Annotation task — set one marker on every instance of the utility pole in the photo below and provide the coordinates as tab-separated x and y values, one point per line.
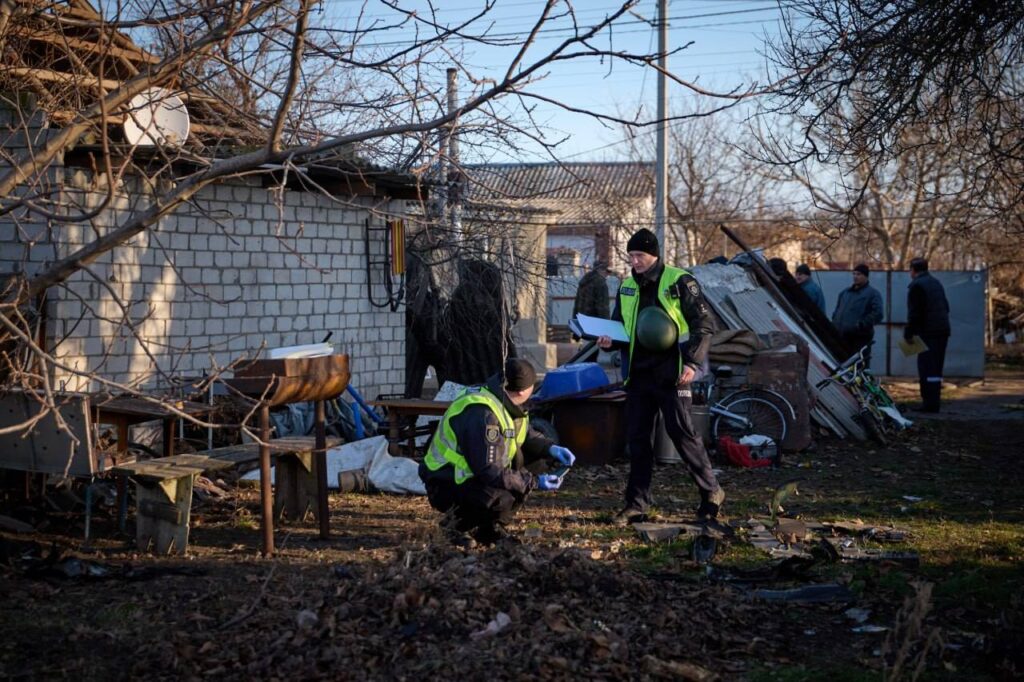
454	175
661	172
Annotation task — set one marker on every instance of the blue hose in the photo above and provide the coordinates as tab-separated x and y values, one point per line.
362	403
357	422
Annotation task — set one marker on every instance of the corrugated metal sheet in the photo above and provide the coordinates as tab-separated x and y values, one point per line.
761	314
743	305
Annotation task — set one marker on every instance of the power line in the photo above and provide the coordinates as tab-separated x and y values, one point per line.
565	31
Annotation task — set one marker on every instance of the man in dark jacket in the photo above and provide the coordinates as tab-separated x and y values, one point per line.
592	293
928	317
475	469
857	312
658	378
810	287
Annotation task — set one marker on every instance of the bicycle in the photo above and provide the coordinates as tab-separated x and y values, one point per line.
747	411
878	414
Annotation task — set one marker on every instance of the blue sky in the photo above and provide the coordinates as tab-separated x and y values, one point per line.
726	36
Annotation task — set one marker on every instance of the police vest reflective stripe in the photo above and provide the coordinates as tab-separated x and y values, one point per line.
444	448
629	304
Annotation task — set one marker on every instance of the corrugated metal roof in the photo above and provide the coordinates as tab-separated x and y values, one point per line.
575	193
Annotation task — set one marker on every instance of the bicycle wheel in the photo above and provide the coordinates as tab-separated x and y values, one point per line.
872	426
756	416
774	397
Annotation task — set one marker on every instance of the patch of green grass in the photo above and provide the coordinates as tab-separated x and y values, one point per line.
654	557
978	586
243	519
740	555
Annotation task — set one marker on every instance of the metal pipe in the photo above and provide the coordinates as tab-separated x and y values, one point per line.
320	457
266	492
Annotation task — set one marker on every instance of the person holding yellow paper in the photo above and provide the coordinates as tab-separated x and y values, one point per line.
928	319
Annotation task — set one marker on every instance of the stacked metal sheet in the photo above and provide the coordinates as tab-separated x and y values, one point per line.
742	304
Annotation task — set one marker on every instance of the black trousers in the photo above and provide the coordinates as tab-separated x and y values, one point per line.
674	403
477	507
929	371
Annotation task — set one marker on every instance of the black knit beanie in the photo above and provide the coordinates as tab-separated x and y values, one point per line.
519	374
644	240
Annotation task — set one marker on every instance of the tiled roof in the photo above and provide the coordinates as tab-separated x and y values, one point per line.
562	181
578	193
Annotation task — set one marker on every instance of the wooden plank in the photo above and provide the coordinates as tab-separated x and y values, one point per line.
82	45
66	78
250	452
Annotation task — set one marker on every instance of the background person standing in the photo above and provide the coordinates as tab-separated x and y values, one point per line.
658	368
928	317
592	293
857	312
810	287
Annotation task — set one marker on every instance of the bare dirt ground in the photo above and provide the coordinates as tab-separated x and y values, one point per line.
387	598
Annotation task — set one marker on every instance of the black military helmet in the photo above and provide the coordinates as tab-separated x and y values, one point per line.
655	330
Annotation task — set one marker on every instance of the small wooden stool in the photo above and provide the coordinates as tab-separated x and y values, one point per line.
164	494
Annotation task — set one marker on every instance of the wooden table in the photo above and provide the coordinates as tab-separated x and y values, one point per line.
123	412
406	407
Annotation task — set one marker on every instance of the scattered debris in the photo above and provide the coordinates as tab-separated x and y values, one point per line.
704	548
500	622
808	594
306	619
869	629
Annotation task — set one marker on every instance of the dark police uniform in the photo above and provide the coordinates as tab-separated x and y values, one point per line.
651	377
476	462
928	317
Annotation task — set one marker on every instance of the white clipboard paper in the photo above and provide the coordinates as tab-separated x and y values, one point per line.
593	327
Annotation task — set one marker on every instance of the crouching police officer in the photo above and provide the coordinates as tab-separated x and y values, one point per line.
476	470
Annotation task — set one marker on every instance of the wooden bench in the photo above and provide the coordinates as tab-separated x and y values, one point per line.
295	480
164	487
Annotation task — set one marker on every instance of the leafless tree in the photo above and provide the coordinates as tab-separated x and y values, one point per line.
874	80
278	88
713	182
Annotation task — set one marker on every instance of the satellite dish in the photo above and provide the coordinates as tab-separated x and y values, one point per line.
156	117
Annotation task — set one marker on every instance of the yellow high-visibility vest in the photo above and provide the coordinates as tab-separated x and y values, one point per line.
444	448
629	304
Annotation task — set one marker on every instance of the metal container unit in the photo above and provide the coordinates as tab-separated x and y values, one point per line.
593	428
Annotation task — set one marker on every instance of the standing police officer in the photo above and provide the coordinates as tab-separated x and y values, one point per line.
475	467
928	317
658	375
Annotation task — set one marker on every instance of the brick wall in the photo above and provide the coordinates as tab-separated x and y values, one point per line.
239	267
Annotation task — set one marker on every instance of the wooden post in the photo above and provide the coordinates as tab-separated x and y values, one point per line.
266	492
320	459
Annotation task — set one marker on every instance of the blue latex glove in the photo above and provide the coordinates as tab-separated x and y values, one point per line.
562	455
548	482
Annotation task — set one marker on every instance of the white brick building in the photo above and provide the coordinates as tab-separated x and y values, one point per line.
239	267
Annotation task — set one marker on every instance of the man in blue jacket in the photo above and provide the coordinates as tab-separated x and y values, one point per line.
857	312
928	317
810	287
